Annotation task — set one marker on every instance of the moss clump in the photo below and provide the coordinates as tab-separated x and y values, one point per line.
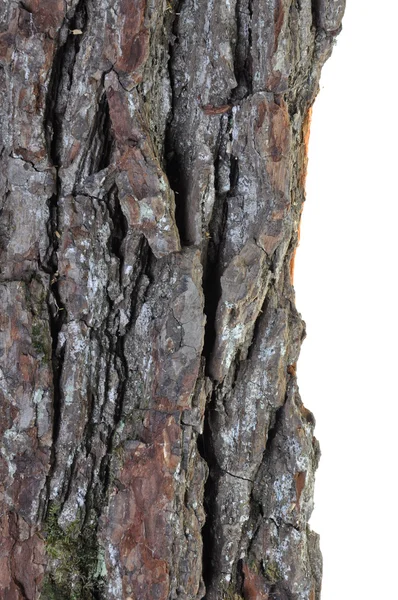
231	594
254	566
40	341
272	572
73	554
51	591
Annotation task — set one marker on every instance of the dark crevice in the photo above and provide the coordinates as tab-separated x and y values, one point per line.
234	173
212	275
56	103
57	317
119	227
239	578
173	162
61	80
175	159
100	144
122	370
89	427
315	12
224	162
57	365
206	450
274	428
248	63
212	269
104	130
68	480
25	7
243	52
175	173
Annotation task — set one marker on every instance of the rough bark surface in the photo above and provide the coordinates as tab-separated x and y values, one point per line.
153	158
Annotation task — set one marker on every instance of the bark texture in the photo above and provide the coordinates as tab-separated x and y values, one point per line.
153	158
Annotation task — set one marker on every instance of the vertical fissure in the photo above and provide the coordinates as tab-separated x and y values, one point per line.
205	448
117	341
100	144
173	163
212	269
243	51
315	12
212	292
55	107
61	79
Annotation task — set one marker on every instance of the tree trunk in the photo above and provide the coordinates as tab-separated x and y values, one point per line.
153	162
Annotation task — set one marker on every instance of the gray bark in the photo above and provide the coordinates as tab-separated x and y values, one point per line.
153	159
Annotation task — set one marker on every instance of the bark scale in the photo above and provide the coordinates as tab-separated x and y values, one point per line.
153	159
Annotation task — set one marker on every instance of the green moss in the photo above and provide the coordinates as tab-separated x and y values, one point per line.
51	591
119	452
231	594
73	553
272	572
254	566
41	341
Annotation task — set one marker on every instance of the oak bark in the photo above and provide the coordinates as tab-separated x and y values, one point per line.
153	159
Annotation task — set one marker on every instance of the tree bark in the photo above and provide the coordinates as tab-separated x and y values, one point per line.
153	159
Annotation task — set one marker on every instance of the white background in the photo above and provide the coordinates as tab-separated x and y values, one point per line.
346	289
